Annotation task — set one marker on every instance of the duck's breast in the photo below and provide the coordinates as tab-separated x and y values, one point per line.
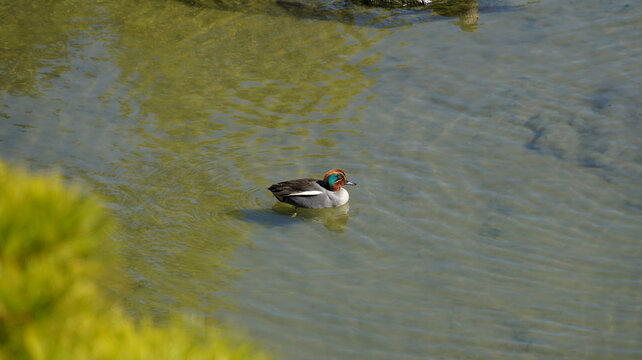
339	197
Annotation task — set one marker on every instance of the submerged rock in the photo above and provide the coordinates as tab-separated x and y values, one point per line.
362	12
394	3
466	10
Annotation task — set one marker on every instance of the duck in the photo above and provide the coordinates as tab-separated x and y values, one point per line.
313	193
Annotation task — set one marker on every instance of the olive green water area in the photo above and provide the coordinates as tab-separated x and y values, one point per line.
497	153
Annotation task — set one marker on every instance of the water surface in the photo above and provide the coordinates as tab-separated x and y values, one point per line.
499	204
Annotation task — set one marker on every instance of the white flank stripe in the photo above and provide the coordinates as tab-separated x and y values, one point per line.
306	193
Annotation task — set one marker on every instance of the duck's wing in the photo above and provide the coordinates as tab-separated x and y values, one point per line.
298	187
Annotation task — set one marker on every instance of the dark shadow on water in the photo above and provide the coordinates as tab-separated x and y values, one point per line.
545	141
385	14
334	219
363	13
374	13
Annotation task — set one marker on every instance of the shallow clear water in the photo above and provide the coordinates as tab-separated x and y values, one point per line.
499	202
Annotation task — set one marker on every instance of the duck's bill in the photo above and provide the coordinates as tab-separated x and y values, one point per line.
350	183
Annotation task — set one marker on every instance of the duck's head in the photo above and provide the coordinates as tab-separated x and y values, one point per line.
335	179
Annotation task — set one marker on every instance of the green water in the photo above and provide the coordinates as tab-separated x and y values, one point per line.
499	202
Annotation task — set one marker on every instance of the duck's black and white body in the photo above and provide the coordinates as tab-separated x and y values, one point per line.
313	193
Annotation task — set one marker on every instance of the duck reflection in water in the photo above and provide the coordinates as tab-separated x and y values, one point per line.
334	219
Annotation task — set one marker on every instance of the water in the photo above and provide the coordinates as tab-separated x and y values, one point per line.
499	200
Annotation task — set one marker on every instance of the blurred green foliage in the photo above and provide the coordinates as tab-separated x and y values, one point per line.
53	256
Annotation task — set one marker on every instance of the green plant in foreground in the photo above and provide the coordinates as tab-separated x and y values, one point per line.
52	256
